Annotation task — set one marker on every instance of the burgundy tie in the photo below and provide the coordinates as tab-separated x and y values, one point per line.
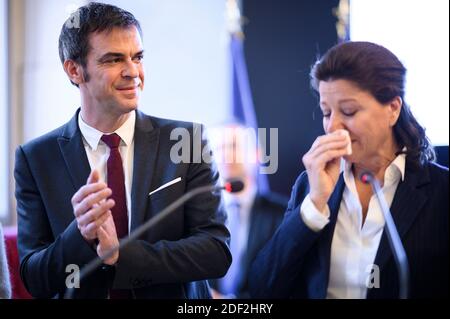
116	182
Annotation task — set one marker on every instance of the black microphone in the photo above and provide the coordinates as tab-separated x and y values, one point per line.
232	186
395	243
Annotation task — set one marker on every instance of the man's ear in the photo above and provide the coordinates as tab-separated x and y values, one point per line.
395	106
74	71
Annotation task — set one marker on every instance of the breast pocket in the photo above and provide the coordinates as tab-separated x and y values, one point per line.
172	225
168	194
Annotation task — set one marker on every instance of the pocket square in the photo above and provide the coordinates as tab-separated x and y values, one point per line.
176	180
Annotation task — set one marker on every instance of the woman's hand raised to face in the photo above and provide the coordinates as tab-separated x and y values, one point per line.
322	163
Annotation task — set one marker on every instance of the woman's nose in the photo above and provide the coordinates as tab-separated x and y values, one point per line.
333	123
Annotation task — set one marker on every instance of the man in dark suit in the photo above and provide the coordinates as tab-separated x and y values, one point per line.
68	215
253	216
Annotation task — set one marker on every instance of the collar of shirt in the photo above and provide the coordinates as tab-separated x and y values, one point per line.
93	136
245	198
394	172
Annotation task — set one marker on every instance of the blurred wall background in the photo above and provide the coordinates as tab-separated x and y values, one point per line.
283	40
187	69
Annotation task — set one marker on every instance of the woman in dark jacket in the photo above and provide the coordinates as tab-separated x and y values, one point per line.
332	243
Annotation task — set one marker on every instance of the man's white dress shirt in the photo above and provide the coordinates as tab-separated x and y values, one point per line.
98	152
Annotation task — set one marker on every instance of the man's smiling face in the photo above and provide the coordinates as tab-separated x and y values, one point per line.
114	69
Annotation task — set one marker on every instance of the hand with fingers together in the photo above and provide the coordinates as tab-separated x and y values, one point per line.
92	210
322	163
107	240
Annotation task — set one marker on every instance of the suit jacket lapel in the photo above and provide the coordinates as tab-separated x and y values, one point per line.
146	141
74	154
407	203
257	225
327	235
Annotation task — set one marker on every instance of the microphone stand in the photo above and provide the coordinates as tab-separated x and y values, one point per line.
91	266
395	242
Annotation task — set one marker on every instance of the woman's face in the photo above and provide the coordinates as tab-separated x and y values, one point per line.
370	124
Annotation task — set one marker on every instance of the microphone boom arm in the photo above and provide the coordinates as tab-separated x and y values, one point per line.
91	266
393	237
